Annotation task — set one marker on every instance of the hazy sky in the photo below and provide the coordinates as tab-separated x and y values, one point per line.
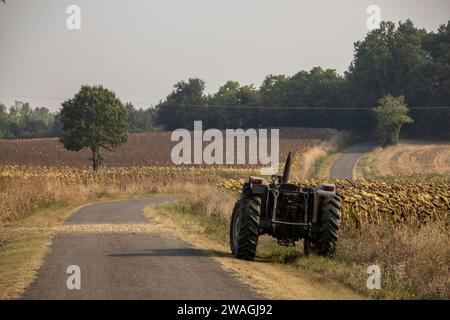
140	48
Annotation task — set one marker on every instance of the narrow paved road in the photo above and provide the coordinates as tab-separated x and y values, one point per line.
130	265
343	167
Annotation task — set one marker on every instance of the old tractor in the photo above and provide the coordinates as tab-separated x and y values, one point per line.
287	212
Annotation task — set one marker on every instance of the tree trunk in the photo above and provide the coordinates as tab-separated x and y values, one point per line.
95	158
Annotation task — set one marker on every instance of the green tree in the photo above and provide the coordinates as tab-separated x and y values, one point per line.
4	122
391	60
248	96
320	88
317	88
26	123
227	95
273	90
182	102
233	94
189	93
438	46
413	65
95	119
391	114
370	71
57	128
139	120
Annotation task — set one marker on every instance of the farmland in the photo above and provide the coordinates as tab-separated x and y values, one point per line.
400	223
369	200
133	149
142	165
409	200
141	150
408	157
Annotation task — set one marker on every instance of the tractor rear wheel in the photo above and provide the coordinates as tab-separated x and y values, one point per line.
325	239
244	228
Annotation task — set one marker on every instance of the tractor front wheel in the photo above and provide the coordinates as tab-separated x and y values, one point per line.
244	228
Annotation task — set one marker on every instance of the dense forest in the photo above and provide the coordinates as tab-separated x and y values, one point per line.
400	60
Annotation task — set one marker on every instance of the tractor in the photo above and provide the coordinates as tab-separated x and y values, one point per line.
287	212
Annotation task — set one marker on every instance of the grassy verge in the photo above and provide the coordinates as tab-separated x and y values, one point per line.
322	167
305	163
32	209
362	169
276	273
413	258
25	242
24	245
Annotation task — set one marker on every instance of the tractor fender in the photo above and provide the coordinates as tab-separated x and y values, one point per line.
323	190
258	185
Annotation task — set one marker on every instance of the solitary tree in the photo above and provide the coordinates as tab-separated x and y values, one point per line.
95	118
391	114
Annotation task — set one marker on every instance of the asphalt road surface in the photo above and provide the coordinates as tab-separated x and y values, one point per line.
130	265
343	167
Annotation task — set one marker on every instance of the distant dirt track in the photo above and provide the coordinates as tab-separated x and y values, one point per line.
146	263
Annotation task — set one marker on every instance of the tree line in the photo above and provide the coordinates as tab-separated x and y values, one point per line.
398	60
21	121
401	61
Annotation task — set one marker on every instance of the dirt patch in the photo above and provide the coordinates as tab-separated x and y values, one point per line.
112	228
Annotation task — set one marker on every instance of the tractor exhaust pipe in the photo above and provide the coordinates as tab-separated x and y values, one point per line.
287	169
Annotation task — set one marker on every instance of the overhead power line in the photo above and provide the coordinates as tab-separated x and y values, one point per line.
59	99
355	108
298	108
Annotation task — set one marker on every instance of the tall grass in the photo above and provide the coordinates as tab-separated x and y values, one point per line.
20	197
414	257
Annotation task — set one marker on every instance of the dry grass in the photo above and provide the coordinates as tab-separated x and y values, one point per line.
408	157
20	197
205	224
21	256
314	162
23	245
322	167
414	257
34	209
